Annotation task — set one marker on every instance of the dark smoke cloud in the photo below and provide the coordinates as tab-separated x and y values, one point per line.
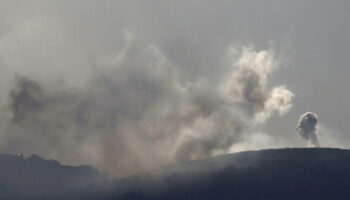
136	112
307	128
25	99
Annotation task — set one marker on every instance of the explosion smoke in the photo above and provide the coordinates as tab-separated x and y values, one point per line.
136	112
307	128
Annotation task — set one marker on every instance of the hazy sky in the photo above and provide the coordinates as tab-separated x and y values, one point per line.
69	41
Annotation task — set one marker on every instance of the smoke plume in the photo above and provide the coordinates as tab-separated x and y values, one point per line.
137	112
307	128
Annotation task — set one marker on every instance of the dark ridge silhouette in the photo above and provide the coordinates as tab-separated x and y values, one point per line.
35	175
310	173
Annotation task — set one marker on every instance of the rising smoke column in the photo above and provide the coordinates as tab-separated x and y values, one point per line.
137	112
246	100
246	85
307	128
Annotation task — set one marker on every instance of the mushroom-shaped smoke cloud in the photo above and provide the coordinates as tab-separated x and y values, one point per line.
307	128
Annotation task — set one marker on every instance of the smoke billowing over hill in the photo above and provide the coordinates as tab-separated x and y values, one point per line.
137	112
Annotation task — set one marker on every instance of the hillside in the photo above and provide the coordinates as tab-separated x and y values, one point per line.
311	173
35	175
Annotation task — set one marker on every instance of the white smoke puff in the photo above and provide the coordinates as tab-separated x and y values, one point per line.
246	85
279	101
307	127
